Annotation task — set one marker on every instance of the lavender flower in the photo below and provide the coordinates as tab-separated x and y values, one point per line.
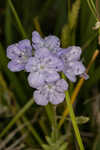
51	42
72	64
51	92
43	68
19	54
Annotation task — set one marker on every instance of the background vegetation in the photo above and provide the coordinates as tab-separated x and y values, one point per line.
25	125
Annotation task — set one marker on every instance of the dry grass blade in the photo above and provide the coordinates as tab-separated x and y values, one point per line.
13	133
10	136
17	142
37	25
20	147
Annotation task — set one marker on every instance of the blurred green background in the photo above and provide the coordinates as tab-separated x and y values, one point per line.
72	21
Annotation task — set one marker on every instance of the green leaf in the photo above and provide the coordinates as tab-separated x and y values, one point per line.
64	146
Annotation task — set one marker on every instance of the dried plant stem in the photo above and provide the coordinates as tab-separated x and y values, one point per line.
37	25
17	142
78	87
21	112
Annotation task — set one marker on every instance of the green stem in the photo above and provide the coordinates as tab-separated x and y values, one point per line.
21	112
49	112
17	19
74	123
55	124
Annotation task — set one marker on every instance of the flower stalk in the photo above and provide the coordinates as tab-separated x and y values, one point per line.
74	123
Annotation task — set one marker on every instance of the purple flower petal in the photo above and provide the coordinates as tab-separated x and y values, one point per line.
15	67
42	52
70	75
40	98
72	53
61	85
35	80
31	65
46	69
56	63
77	67
37	41
56	98
50	92
19	54
25	47
72	66
52	43
13	51
51	76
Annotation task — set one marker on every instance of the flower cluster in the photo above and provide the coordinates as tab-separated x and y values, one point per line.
44	65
